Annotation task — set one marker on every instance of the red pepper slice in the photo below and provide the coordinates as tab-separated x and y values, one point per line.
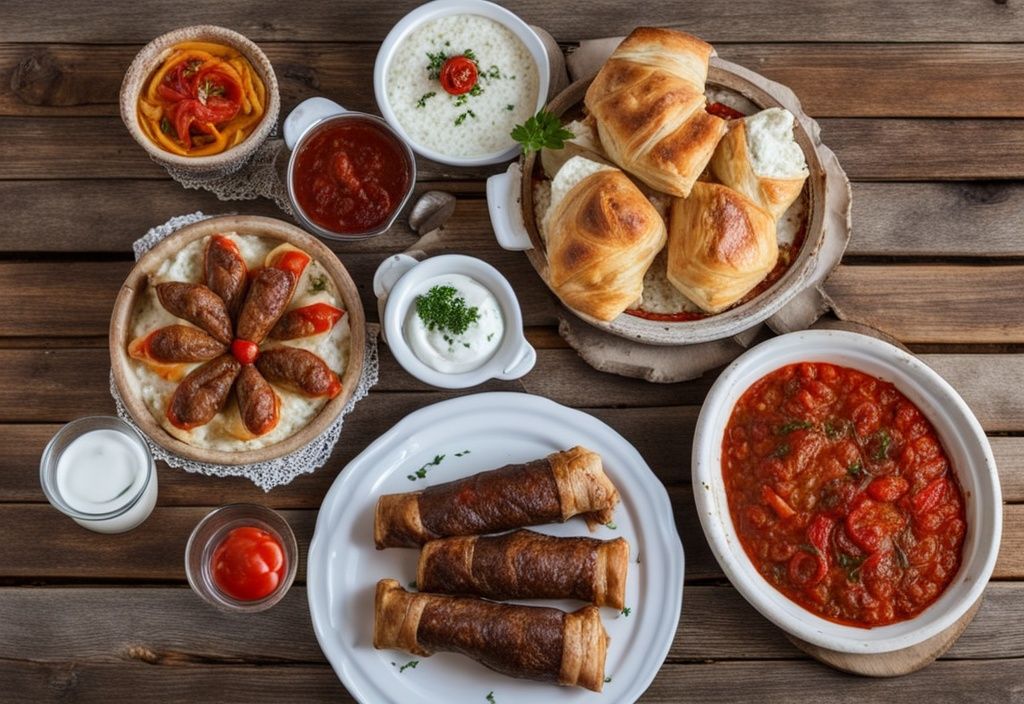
888	488
929	497
873	523
723	111
293	261
458	75
778	504
819	532
806	570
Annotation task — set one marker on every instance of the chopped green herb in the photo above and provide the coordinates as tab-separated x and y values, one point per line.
638	558
781	451
466	345
165	125
411	663
192	68
626	611
475	90
883	439
493	72
490	697
462	454
469	54
542	131
422	102
208	89
462	118
510	107
421	473
441	308
611	524
856	469
436	63
318	283
490	336
852	566
607	679
807	547
833	430
794	425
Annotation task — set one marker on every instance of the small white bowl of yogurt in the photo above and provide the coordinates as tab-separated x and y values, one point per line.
452	321
99	471
453	78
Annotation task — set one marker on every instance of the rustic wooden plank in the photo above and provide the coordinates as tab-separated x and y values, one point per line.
945	682
832	80
171	626
35	533
933	303
869	149
890	219
67	383
746	20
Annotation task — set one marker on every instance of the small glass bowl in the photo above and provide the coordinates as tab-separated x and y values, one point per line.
209	533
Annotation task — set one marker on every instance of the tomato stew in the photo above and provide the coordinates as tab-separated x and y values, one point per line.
842	495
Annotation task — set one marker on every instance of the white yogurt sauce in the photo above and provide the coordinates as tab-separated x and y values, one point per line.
101	472
468	125
446	352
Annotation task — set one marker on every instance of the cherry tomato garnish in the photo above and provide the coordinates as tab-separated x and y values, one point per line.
248	564
244	351
458	75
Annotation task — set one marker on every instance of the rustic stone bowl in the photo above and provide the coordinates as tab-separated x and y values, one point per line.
136	283
734	320
147	60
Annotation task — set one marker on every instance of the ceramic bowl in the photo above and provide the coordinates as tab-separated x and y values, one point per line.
138	280
444	8
147	60
960	434
510	200
396	285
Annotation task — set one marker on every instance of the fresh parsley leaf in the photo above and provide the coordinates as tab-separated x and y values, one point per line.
422	102
882	442
855	469
411	663
781	451
318	283
626	611
851	564
490	697
611	524
794	425
542	131
165	125
437	60
441	308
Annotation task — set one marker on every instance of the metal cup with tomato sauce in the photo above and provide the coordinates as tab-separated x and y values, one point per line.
350	174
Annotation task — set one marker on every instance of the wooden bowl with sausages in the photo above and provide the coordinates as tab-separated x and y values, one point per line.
237	340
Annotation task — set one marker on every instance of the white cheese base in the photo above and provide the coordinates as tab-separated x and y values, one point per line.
774	152
222	433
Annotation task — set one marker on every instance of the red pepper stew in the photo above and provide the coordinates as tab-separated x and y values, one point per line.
350	176
842	495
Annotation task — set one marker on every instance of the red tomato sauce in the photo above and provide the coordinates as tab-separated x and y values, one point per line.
350	176
248	564
842	494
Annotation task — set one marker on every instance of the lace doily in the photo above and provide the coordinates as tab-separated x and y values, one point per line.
271	473
257	177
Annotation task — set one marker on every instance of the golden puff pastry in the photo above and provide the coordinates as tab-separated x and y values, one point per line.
759	158
602	235
721	245
649	105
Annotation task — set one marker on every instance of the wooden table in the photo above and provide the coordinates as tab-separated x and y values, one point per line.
920	99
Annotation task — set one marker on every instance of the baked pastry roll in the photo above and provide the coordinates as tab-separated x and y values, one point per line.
721	245
550	490
602	234
532	642
648	101
760	158
524	564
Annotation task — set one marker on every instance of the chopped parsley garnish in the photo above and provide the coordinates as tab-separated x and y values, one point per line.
462	118
851	564
490	336
462	454
441	308
611	524
208	89
490	697
794	425
856	469
411	663
493	72
165	125
542	131
422	102
833	430
781	451
510	107
607	679
318	283
421	473
626	611
807	547
469	54
192	68
436	63
882	440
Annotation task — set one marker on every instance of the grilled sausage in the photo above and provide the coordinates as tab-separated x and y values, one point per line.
181	343
226	273
269	293
300	371
198	305
257	402
201	394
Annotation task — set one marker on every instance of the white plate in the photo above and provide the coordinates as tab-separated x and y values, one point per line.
496	428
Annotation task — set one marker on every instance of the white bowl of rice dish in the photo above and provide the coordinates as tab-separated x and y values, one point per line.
453	78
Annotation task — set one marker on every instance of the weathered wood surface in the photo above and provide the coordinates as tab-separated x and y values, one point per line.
921	80
739	20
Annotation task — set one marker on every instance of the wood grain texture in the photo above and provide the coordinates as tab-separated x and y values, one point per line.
35	534
739	20
933	303
963	219
832	80
869	149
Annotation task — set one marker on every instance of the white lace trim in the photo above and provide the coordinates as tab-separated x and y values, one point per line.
271	473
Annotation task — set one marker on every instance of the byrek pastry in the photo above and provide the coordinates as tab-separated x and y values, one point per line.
532	642
649	104
760	158
602	235
721	245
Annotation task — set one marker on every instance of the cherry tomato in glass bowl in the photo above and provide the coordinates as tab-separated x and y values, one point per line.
248	564
458	75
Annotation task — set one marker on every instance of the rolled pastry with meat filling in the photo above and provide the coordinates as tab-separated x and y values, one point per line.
551	490
531	642
527	565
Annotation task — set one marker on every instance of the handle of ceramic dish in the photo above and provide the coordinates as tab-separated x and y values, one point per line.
503	207
522	364
305	114
390	271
